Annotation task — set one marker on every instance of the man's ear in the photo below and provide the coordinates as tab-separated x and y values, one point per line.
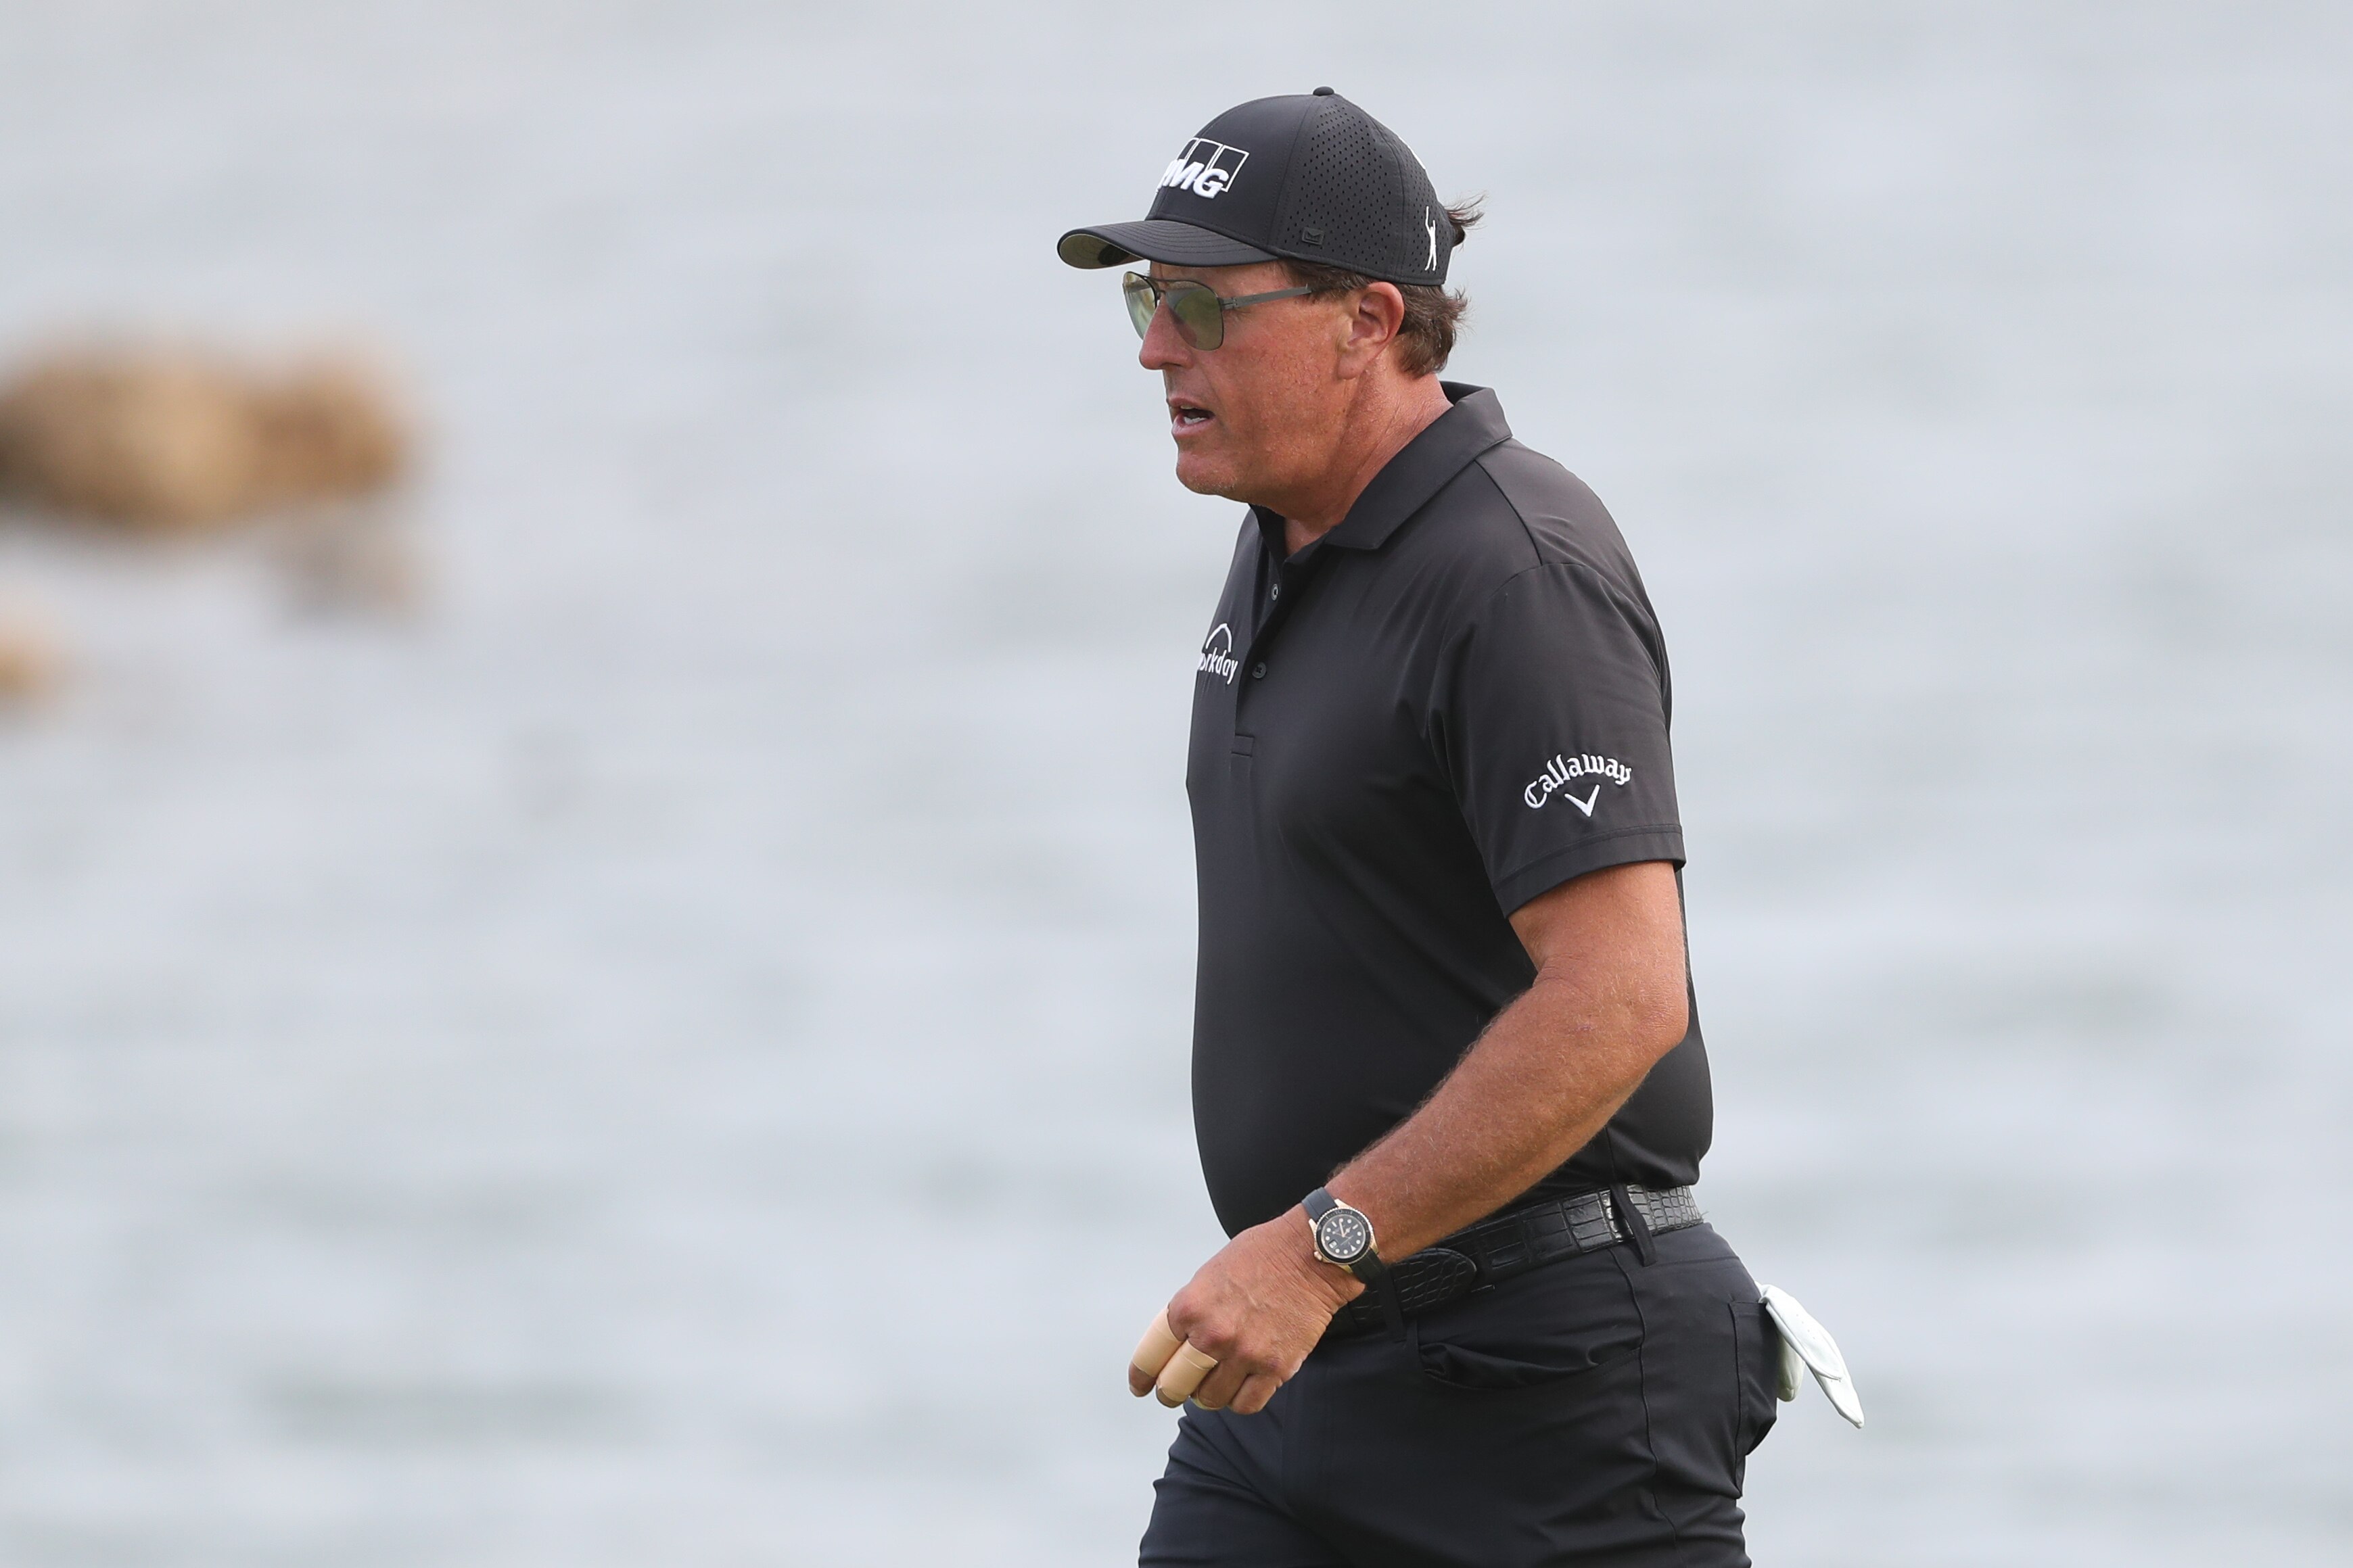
1376	315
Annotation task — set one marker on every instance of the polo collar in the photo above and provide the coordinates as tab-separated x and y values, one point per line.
1420	470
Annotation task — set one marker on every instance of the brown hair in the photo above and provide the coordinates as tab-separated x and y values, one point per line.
1433	315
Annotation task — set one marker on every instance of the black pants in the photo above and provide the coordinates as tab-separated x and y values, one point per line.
1594	1411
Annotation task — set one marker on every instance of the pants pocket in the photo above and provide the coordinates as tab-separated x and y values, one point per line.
1757	1353
1551	1323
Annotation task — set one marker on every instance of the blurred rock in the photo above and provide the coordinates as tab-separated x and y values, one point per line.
31	661
166	438
355	559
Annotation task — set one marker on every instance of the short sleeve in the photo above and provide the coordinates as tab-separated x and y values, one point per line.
1549	713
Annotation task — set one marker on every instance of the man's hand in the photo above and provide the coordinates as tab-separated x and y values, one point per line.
1257	1308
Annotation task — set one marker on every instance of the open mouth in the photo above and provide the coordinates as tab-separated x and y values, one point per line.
1188	415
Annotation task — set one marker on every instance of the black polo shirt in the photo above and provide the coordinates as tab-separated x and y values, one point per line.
1455	700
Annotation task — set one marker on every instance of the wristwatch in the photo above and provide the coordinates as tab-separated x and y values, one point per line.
1344	1236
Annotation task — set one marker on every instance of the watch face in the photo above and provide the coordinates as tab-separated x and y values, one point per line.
1343	1236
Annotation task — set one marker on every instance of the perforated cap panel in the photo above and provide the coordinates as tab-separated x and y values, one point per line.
1358	198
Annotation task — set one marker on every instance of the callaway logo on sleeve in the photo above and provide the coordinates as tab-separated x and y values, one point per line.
1561	770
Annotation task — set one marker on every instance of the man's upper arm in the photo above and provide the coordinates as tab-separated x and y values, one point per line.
1615	935
1550	713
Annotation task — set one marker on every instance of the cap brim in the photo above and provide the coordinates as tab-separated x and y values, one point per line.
1155	240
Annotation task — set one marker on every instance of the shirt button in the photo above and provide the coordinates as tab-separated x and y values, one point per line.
1257	670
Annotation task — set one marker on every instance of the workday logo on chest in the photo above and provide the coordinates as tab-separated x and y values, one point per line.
1205	168
1217	654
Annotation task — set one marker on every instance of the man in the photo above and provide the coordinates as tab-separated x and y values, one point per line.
1448	1084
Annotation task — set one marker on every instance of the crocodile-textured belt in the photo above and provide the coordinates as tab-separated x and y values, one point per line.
1513	1243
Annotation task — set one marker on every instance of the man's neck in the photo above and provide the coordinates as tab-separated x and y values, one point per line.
1382	434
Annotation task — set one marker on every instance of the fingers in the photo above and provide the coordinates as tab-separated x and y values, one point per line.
1182	1375
1256	1391
1152	1353
1170	1368
1231	1388
1218	1389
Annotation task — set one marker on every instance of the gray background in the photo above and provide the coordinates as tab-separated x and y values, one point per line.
677	1057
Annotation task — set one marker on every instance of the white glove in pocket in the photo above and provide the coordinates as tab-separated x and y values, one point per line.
1807	1346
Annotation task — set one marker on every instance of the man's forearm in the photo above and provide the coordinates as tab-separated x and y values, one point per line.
1542	1080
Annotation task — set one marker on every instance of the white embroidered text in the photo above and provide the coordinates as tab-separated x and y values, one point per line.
1559	772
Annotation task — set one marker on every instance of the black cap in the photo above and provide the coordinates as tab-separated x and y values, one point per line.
1309	176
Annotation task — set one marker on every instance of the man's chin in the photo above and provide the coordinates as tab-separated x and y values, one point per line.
1204	477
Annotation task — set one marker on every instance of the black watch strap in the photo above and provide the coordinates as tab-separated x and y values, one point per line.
1369	1269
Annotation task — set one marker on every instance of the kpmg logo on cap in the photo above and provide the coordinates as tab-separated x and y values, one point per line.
1204	167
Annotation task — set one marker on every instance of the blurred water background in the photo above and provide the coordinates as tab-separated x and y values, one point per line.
675	1054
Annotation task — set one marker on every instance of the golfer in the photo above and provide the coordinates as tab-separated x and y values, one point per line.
1447	1079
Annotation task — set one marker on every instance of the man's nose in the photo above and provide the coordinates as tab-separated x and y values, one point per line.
1164	347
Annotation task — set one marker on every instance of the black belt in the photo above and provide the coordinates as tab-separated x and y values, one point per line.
1513	1243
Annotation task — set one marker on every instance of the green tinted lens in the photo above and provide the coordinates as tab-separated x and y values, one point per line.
1140	302
1200	314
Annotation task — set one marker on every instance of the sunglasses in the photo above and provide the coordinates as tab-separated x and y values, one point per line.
1198	309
